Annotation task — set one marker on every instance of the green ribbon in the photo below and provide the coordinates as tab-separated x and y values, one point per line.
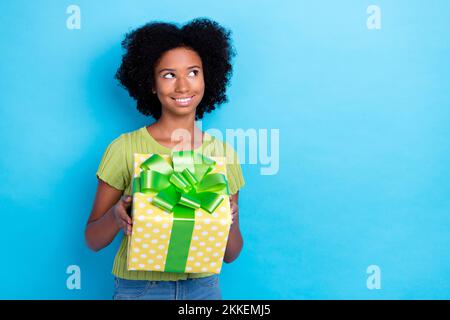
183	183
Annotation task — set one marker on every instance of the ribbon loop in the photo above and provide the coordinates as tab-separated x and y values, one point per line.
183	180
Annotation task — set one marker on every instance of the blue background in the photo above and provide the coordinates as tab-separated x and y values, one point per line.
364	120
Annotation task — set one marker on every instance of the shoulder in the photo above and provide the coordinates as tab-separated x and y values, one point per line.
124	139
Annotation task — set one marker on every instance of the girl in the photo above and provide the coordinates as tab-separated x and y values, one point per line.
175	75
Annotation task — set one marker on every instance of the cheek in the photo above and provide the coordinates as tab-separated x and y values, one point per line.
164	87
200	85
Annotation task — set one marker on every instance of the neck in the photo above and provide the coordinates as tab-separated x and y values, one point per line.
179	128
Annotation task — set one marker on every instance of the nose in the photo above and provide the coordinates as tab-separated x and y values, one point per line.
182	85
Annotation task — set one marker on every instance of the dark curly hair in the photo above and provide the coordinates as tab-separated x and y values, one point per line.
145	45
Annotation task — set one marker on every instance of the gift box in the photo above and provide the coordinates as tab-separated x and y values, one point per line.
181	213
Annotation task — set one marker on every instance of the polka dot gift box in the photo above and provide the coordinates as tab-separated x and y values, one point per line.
181	213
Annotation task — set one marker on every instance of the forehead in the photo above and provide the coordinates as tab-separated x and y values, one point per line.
179	58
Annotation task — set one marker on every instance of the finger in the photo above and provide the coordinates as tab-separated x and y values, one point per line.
124	216
126	201
126	228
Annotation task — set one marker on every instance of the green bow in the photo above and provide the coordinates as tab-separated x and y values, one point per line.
184	180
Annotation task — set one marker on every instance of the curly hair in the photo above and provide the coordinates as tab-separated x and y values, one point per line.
145	45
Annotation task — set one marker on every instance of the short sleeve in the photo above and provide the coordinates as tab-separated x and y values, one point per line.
113	167
234	171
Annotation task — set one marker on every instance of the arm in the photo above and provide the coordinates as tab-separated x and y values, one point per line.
107	217
235	241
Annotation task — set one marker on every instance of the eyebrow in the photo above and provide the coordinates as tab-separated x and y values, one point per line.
167	69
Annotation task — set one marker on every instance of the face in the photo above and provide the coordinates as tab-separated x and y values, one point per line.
179	81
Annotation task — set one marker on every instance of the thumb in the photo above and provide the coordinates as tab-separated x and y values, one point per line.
126	200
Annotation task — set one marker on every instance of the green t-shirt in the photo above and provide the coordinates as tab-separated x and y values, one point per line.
116	168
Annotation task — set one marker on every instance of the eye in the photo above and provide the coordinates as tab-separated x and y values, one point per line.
169	75
195	72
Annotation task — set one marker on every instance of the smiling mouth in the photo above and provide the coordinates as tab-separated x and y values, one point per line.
183	101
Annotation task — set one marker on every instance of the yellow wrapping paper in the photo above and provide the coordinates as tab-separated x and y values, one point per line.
151	232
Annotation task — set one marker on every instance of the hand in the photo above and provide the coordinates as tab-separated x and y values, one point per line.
121	216
234	211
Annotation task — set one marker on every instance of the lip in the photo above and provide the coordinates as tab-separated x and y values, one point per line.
183	103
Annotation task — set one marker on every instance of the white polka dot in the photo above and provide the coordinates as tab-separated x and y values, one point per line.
156	241
215	214
150	199
143	159
138	239
161	246
206	259
132	269
207	221
150	211
188	268
148	224
146	235
197	264
198	213
202	243
222	209
150	261
218	270
141	218
208	249
143	256
157	266
158	218
145	246
193	248
195	238
223	222
139	229
223	249
218	244
211	239
198	227
215	254
214	228
152	251
163	236
141	205
165	225
136	249
191	258
212	264
220	233
159	256
204	269
204	233
200	254
155	230
134	259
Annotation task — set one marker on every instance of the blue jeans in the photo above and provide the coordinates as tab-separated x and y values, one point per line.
206	288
